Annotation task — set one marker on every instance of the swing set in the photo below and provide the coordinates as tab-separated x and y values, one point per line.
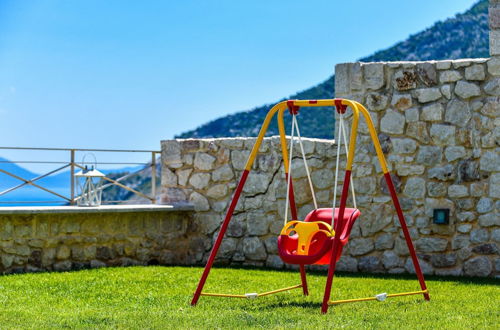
320	238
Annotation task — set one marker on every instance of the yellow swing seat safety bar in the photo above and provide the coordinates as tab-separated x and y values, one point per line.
251	295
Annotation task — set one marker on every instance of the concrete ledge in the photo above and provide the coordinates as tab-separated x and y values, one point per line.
98	209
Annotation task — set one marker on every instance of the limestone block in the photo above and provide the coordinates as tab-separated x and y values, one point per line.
168	178
468	170
492	107
431	244
171	153
426	268
257	183
384	241
461	63
427	73
63	252
411	115
475	72
374	75
7	260
62	266
199	202
403	146
495	235
183	176
495	185
492	87
258	223
391	260
429	155
227	248
465	228
415	188
425	95
405	80
199	180
232	143
274	261
490	161
370	264
444	260
457	191
401	101
207	222
460	242
478	189
457	113
478	266
432	112
418	130
449	76
360	246
322	178
486	249
254	249
204	161
494	66
494	42
217	191
342	79
452	153
484	205
443	65
443	135
489	219
347	264
239	159
406	169
376	219
467	90
392	122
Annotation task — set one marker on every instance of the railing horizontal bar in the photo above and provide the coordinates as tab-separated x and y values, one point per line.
77	149
54	162
25	202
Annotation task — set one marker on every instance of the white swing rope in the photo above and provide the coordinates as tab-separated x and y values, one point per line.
295	125
342	135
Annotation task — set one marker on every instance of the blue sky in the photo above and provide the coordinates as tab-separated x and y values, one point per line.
127	74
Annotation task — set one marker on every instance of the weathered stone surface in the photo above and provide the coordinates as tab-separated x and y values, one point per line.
405	169
478	266
217	191
415	187
446	91
457	191
199	201
274	261
199	180
484	205
183	176
257	183
376	219
411	115
370	264
203	161
360	246
322	178
460	242
396	180
432	112
443	135
418	130
425	95
490	219
401	101
403	146
427	74
493	87
223	173
475	72
444	260
391	260
347	264
465	228
443	65
454	152
457	113
494	66
495	185
254	249
480	235
424	266
491	108
442	173
429	155
392	122
374	75
490	161
376	101
468	170
486	249
384	242
405	80
258	223
449	76
431	244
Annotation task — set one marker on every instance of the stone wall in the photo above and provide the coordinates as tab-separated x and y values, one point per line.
439	125
40	242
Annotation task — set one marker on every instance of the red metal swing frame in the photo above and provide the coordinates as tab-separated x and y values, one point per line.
341	227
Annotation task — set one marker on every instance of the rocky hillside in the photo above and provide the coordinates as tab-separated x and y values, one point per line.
463	36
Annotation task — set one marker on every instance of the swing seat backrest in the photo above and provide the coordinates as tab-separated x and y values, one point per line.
321	245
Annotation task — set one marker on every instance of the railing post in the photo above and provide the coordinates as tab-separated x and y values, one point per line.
72	176
153	177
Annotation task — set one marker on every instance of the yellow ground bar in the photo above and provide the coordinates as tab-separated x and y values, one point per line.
335	302
250	295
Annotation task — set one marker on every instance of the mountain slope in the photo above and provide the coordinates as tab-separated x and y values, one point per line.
463	36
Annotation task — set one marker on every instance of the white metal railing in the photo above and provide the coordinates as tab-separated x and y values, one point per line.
72	164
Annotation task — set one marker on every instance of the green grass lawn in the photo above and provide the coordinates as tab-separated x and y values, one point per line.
158	297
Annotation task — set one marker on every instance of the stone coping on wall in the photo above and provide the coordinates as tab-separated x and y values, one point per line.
97	209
